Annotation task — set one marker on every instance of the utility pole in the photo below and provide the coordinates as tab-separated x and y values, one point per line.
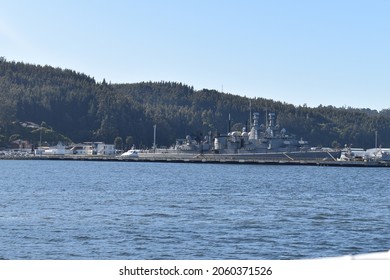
40	136
376	139
250	115
154	137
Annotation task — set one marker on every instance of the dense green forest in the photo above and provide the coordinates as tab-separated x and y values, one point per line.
73	107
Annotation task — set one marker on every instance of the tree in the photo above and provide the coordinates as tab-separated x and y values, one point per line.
14	137
2	140
129	142
336	144
118	143
76	106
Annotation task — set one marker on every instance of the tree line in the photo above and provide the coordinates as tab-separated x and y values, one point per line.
74	108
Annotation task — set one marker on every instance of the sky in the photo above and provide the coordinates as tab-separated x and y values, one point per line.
317	52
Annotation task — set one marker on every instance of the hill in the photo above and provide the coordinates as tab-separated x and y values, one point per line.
77	108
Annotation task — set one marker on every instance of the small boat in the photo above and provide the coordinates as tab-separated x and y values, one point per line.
130	153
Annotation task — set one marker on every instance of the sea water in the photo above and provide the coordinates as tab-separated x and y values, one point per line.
135	210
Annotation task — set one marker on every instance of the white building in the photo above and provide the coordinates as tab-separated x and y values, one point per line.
105	149
59	149
82	149
93	148
86	148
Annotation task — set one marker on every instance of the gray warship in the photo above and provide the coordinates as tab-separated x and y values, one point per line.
262	143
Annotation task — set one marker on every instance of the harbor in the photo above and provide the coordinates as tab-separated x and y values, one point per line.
266	144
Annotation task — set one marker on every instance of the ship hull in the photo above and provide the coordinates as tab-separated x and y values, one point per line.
270	156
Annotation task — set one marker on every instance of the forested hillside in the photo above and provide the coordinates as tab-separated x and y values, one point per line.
70	106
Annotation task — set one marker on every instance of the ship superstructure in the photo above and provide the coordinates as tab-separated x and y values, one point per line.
261	143
260	139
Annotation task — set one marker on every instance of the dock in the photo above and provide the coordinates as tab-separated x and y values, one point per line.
207	159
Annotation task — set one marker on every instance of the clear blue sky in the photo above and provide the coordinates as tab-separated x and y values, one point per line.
315	52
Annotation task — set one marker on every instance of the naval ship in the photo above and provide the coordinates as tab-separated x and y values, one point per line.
262	143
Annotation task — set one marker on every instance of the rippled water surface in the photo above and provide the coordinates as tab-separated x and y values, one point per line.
123	210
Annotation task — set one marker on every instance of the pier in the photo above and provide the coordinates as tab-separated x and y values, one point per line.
207	159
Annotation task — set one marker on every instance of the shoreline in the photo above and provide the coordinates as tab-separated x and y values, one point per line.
200	159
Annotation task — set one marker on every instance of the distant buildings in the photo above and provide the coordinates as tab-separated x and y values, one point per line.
21	145
85	148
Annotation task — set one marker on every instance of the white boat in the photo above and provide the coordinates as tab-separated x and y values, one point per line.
379	154
130	153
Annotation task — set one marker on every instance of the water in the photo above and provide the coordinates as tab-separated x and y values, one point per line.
124	210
